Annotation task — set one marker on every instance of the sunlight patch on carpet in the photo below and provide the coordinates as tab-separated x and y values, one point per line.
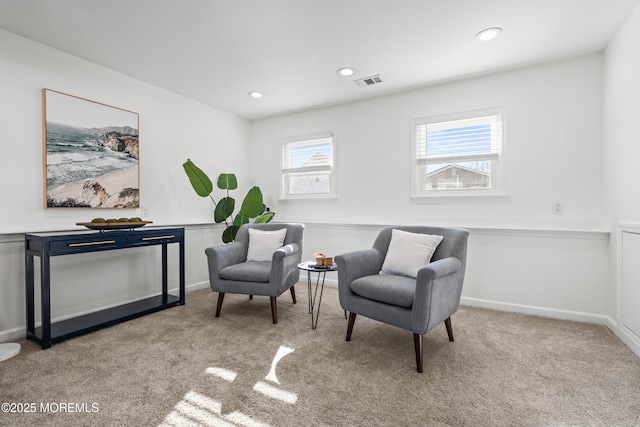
282	352
196	409
225	374
275	392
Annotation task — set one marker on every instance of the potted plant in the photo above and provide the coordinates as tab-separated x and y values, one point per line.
252	206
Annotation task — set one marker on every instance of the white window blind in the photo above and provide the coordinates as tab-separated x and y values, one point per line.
307	167
476	137
307	155
458	152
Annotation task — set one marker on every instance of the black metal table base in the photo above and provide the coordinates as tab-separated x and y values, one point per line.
312	299
311	267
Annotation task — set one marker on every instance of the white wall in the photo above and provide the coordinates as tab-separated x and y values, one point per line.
553	151
521	256
553	273
621	154
172	129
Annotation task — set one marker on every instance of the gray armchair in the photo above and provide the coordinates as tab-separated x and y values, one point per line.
415	304
229	270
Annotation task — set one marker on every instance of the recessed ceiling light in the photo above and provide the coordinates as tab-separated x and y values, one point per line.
346	71
255	94
488	34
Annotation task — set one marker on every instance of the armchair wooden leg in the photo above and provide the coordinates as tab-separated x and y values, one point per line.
417	342
220	298
447	323
293	294
274	310
352	320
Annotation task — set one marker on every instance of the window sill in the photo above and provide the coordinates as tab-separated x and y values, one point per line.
462	195
308	197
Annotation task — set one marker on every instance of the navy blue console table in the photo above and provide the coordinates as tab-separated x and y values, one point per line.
46	245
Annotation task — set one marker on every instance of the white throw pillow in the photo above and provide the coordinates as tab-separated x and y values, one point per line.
262	244
408	252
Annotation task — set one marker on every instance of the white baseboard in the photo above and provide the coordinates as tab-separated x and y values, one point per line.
332	283
536	311
194	287
630	339
13	334
513	308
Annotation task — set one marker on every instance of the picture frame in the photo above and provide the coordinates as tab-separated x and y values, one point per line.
91	153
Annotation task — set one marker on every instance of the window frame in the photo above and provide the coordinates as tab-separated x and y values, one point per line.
285	193
498	168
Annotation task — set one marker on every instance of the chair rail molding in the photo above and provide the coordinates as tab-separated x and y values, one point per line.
588	233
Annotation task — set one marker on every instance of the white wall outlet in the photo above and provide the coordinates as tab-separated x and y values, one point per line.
144	211
558	208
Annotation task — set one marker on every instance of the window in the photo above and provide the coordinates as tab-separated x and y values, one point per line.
308	167
458	154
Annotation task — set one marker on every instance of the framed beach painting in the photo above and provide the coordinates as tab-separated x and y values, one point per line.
91	153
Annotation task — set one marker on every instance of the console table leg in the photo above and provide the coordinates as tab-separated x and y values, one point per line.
165	286
30	278
181	272
45	298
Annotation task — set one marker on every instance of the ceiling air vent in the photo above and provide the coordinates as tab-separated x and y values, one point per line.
368	81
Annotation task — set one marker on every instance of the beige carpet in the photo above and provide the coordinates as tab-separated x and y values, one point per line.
182	366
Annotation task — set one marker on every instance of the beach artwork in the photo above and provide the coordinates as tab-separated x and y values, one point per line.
91	154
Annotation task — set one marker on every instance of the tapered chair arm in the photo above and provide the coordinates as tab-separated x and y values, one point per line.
438	292
353	265
284	266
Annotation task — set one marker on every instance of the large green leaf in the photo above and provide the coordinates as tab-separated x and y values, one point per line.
229	234
240	219
262	219
227	181
199	180
252	204
224	209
